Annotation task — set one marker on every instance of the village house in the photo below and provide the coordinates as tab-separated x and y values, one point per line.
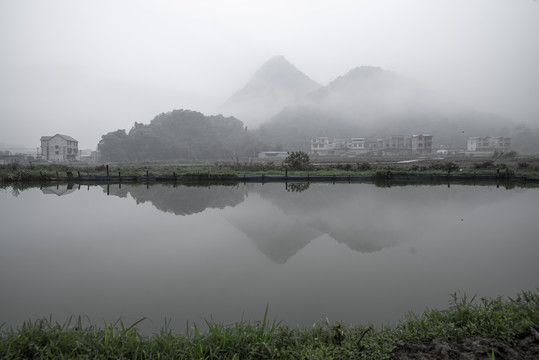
321	145
489	144
393	145
88	156
59	148
421	144
356	144
7	159
273	154
361	146
324	146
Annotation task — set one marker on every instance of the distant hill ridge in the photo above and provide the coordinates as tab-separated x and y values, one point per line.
374	103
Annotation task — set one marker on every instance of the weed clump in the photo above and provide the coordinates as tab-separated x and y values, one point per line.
488	164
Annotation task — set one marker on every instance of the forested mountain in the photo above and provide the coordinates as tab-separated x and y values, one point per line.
179	134
374	103
275	85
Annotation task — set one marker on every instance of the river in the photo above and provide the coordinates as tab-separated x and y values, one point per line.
353	253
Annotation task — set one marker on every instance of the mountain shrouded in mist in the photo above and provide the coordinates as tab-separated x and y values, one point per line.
275	85
374	103
366	102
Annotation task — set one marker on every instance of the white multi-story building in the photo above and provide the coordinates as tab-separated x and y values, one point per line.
60	148
392	145
394	142
489	143
324	146
421	144
319	144
356	144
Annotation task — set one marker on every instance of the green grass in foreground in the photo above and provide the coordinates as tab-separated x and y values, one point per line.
504	320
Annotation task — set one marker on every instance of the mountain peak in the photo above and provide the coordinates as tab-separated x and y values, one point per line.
277	59
275	63
276	84
279	72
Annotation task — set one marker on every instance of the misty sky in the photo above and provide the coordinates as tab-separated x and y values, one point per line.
85	68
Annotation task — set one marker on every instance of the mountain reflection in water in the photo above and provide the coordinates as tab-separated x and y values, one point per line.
281	222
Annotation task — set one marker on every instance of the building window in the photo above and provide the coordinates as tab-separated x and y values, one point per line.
57	152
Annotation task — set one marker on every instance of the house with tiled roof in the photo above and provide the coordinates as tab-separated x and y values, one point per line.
59	148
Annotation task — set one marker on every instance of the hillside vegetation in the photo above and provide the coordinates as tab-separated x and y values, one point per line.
179	134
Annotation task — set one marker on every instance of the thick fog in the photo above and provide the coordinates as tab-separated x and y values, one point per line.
85	68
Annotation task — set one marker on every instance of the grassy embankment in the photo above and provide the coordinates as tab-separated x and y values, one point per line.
523	167
504	321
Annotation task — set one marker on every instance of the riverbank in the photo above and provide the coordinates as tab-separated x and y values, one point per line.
469	328
387	172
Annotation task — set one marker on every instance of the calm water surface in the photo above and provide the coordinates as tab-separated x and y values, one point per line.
345	252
